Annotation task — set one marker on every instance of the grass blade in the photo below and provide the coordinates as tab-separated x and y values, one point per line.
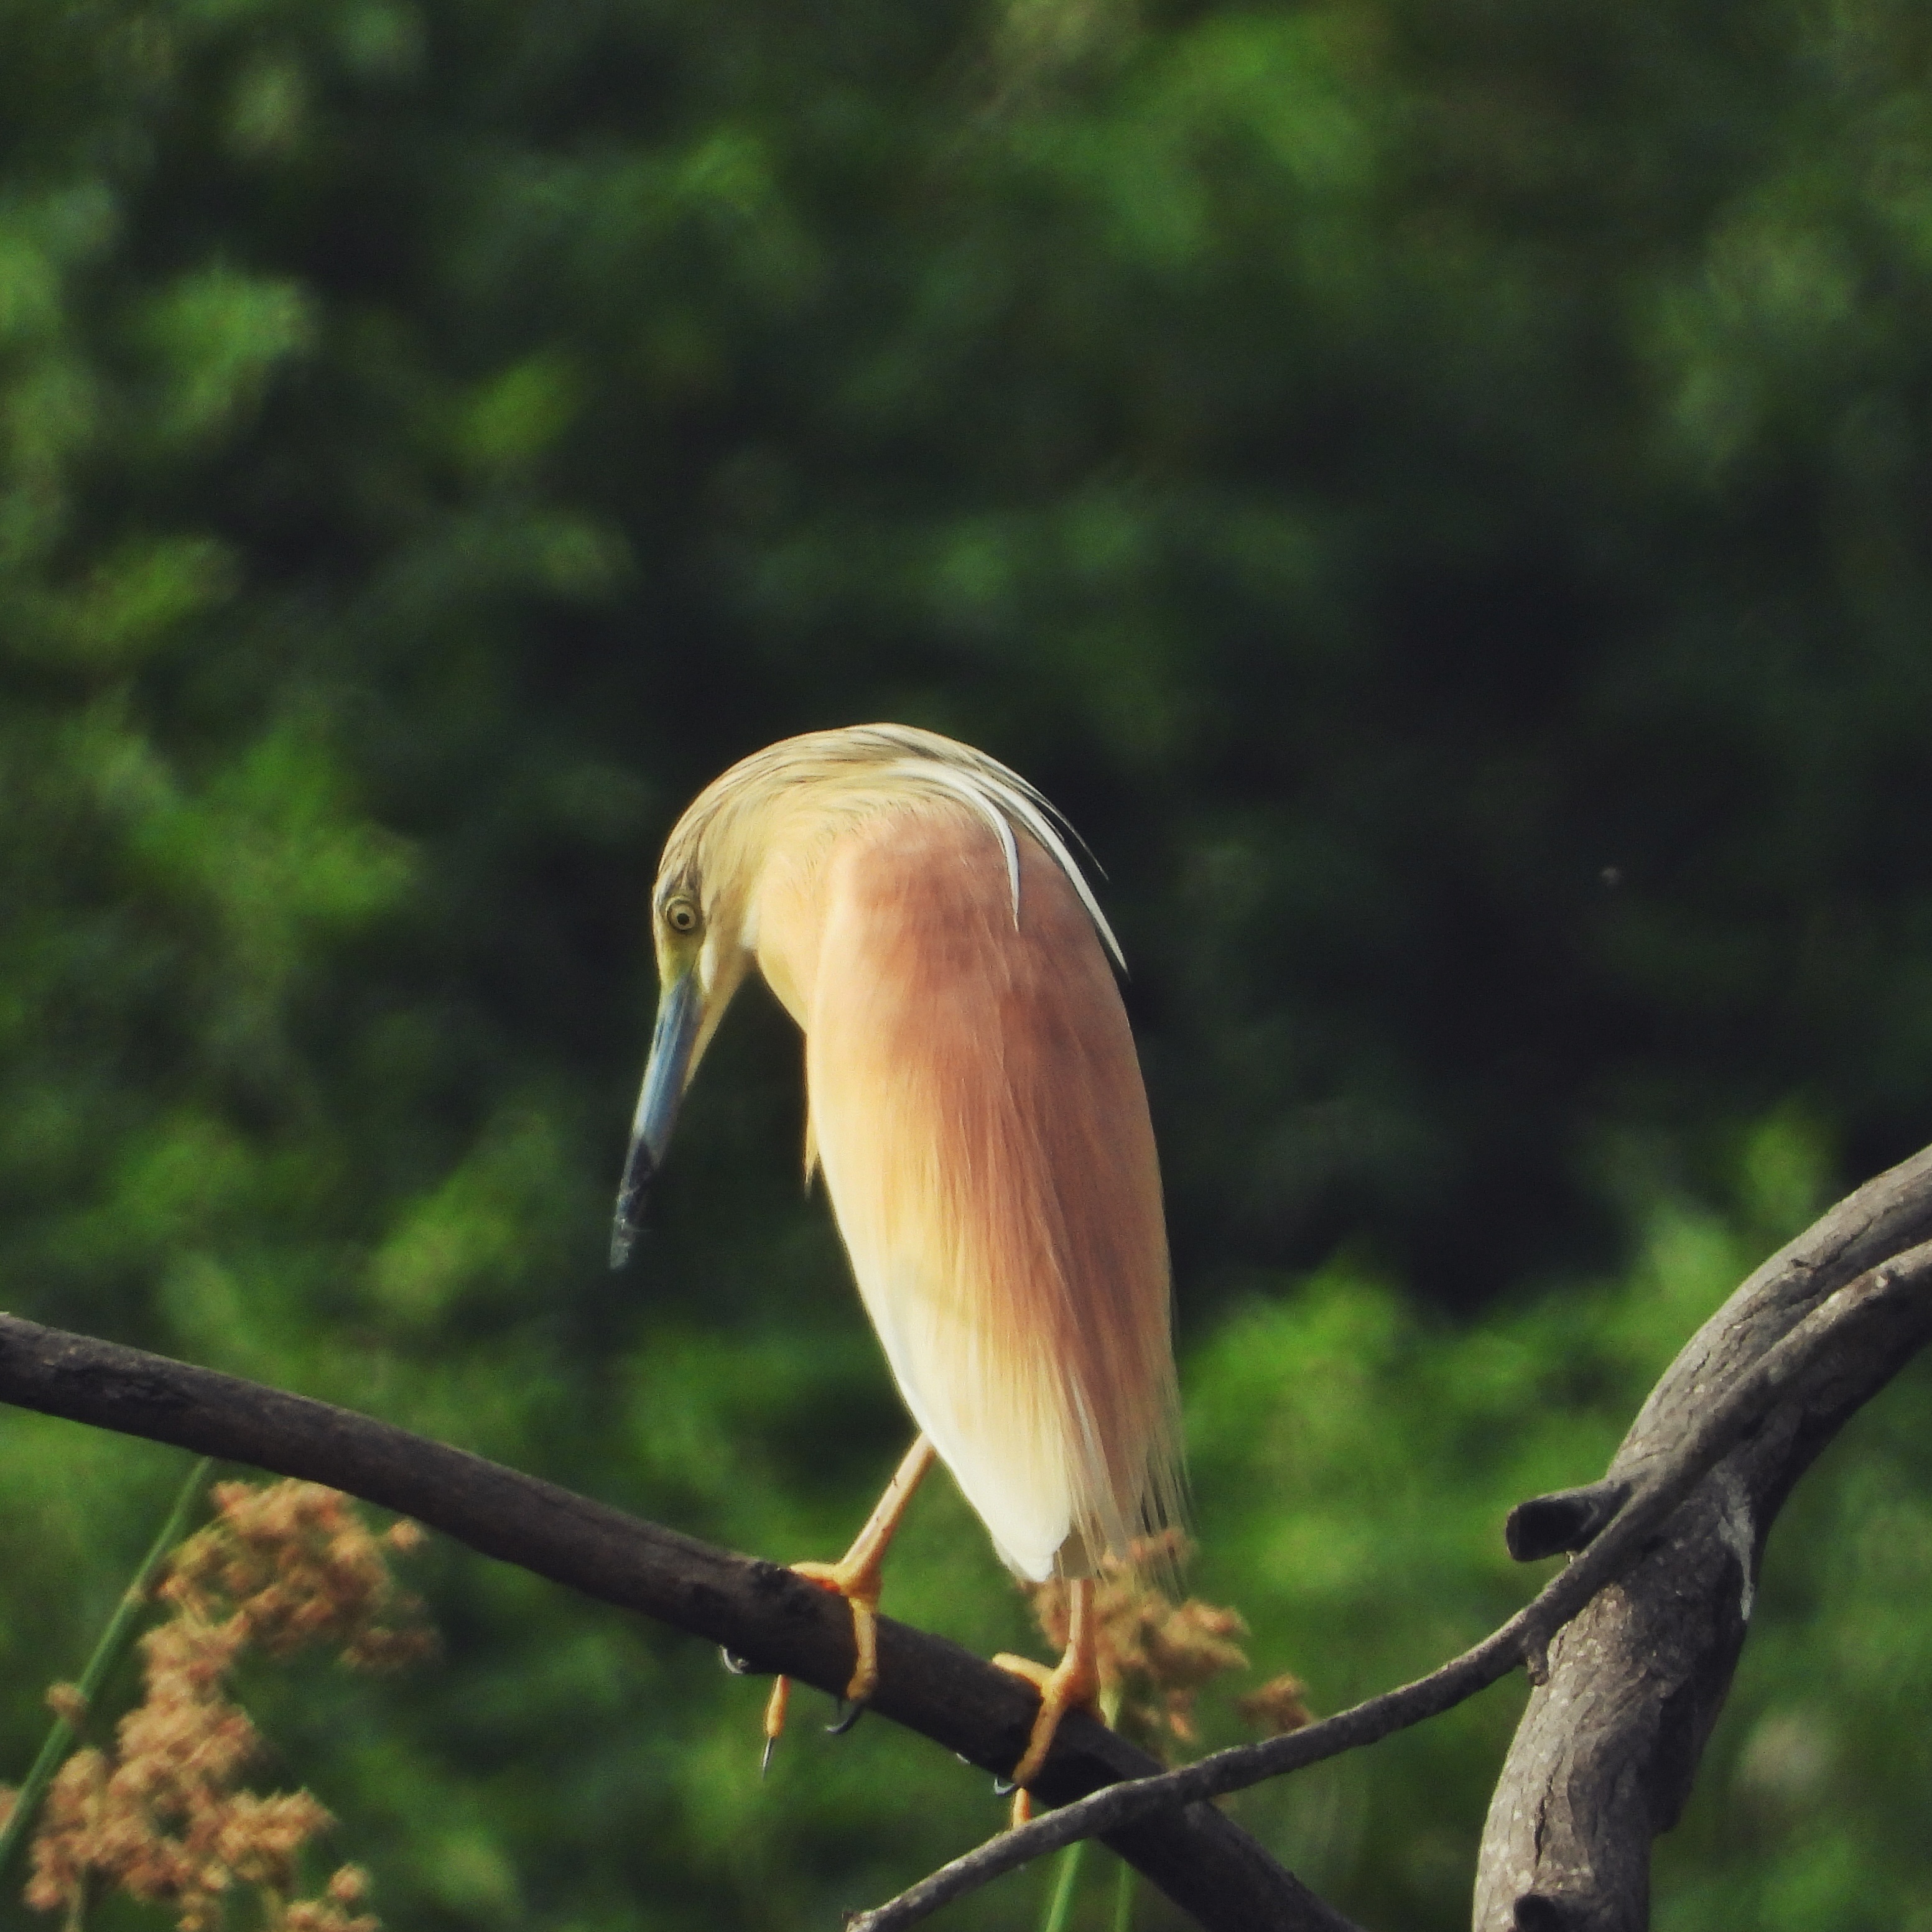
115	1642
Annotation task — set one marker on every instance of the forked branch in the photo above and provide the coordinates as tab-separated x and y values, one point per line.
1629	1679
1608	1749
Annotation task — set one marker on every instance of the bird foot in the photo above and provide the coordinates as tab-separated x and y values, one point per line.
859	1585
1071	1684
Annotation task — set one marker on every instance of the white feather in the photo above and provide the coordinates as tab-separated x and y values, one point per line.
959	783
1004	798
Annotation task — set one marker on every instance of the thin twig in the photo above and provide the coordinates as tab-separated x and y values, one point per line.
1523	1639
114	1639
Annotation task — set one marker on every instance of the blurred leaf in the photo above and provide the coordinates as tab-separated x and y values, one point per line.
218	336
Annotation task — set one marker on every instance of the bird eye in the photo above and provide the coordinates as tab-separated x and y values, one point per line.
681	915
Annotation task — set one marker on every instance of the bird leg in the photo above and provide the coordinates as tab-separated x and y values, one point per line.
856	1576
1071	1684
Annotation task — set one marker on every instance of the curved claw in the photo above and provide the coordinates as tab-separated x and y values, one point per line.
739	1667
848	1717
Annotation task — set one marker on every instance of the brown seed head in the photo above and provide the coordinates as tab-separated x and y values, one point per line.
1154	1654
1277	1706
166	1817
296	1564
65	1701
350	1885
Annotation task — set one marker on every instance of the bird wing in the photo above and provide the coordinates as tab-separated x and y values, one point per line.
979	1117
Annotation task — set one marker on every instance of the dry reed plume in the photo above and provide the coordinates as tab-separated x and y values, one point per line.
1156	1655
164	1817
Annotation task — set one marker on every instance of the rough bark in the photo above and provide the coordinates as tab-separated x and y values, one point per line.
1607	1751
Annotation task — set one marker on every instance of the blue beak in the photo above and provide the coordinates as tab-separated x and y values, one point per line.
680	1009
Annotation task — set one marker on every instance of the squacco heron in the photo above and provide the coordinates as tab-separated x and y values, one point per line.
974	1103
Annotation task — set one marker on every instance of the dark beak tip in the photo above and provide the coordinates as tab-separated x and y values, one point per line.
625	1227
633	1193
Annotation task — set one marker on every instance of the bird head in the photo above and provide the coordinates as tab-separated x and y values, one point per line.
697	922
755	836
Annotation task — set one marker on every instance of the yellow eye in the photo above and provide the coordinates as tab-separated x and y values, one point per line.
681	915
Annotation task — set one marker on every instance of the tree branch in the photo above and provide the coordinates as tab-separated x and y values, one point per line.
1604	1757
760	1611
1607	1749
1854	1321
1566	1520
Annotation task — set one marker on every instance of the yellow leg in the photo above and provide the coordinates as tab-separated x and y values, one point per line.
856	1576
1073	1684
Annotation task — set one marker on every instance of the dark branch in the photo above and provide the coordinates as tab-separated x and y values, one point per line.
1850	1322
758	1611
1606	1750
1605	1755
1565	1519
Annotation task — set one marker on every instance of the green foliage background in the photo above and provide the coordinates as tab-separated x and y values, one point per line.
1437	489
